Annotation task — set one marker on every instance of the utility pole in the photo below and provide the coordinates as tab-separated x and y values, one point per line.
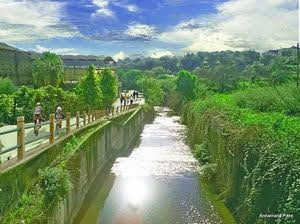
298	64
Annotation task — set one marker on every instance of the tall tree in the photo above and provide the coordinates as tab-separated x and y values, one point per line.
187	85
90	90
109	87
47	70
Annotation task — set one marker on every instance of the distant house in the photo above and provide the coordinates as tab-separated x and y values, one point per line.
15	64
82	61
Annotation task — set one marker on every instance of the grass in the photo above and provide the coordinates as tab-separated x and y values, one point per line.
223	212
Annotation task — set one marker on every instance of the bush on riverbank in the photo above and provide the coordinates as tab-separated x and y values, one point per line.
254	149
52	184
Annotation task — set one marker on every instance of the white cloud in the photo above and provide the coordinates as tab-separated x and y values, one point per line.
157	53
240	25
119	56
102	8
130	7
30	20
141	31
60	51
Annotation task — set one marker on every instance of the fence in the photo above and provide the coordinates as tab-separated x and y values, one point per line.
80	120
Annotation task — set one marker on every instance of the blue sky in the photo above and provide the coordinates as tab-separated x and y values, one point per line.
154	28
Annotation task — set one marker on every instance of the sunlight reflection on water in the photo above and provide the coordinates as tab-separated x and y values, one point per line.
157	183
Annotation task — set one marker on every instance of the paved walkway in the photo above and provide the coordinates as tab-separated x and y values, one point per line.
10	140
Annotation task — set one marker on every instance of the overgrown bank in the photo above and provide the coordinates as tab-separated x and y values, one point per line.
249	150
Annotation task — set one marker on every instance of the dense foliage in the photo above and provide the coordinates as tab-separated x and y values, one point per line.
53	184
96	90
6	86
47	70
152	90
109	87
89	89
220	71
251	155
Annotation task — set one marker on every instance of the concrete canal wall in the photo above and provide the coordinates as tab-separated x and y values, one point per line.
105	141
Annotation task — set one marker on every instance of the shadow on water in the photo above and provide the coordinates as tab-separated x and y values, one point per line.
155	183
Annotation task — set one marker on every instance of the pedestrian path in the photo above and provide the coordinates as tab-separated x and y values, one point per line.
9	140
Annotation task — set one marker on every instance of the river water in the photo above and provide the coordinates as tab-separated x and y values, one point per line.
157	183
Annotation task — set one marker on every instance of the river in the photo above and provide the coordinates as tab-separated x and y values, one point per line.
157	183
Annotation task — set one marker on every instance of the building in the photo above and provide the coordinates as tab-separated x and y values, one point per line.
15	64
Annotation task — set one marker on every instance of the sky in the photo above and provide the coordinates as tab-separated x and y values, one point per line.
154	28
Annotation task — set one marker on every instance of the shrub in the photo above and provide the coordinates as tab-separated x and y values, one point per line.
257	153
208	171
55	183
6	86
285	98
6	109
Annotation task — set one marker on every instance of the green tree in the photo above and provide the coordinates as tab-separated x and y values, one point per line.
25	99
47	70
89	89
6	109
6	86
130	78
109	87
187	85
158	70
152	90
279	71
257	71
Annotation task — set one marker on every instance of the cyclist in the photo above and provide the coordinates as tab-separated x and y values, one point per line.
37	118
58	117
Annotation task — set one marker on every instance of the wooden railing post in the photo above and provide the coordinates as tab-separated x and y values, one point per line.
84	118
21	137
52	134
68	125
77	119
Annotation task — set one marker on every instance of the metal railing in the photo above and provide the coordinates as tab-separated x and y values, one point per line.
81	120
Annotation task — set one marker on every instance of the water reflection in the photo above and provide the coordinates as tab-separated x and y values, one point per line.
157	183
135	192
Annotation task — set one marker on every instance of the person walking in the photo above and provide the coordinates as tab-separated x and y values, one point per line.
131	99
121	99
134	94
125	99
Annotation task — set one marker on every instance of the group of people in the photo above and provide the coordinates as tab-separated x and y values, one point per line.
125	98
37	118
